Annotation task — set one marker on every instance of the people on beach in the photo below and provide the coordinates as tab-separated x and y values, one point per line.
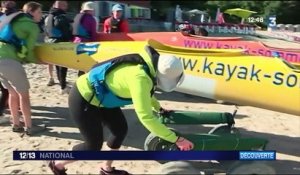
58	29
188	29
18	36
85	25
97	98
116	23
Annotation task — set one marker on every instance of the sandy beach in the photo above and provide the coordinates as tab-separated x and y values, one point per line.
50	108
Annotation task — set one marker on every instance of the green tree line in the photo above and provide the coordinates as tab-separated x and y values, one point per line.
286	12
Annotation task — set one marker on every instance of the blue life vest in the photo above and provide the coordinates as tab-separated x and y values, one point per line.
51	30
97	79
7	34
78	29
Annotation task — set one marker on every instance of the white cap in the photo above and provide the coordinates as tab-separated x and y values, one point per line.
169	72
117	7
88	6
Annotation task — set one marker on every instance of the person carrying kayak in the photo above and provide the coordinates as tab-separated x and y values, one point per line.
18	35
97	96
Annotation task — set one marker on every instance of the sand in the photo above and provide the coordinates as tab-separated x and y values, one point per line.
49	107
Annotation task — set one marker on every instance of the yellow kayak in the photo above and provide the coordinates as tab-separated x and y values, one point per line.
222	74
68	54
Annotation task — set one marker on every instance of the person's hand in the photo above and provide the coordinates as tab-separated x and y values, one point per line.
184	144
21	55
164	112
22	52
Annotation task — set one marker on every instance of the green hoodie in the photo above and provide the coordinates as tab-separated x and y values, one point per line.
26	29
131	81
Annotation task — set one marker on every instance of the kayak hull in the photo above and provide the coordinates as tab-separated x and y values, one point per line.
217	74
177	39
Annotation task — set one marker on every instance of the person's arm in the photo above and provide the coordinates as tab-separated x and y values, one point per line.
32	30
125	26
106	26
140	87
155	104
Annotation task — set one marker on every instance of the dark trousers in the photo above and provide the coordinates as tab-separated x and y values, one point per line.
62	76
90	119
60	71
80	73
3	99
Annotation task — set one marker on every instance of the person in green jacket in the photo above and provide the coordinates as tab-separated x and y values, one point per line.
18	35
97	96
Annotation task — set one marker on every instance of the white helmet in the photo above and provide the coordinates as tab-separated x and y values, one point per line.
169	72
88	6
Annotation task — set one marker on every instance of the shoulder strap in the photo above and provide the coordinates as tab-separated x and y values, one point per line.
49	23
76	23
129	58
154	56
6	19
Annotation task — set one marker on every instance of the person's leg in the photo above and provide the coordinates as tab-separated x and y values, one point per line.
63	76
58	73
50	71
4	98
26	110
22	89
51	78
89	121
15	80
115	120
13	103
62	79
